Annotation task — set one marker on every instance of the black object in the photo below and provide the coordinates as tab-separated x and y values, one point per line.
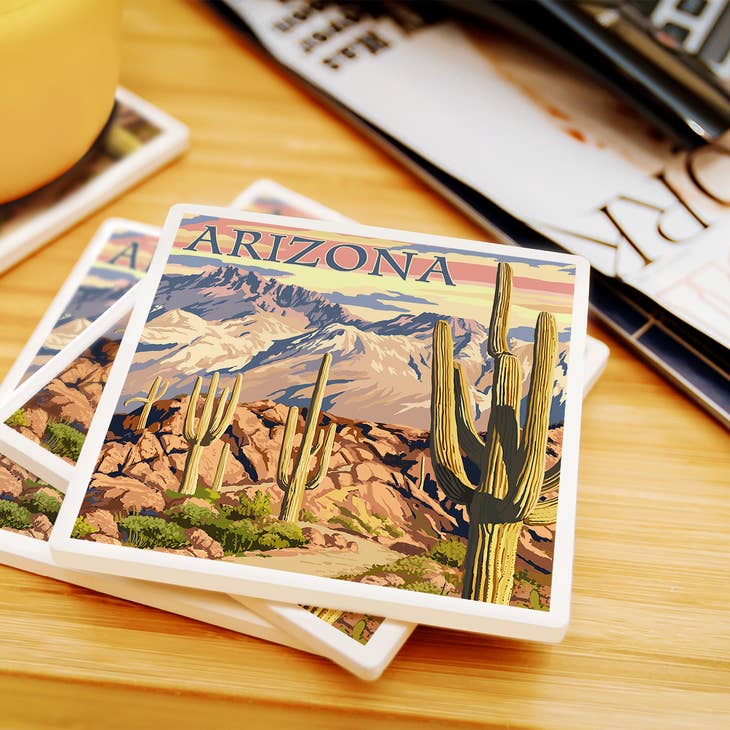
615	43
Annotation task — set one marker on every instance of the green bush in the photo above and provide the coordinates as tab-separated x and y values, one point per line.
523	576
391	529
63	440
83	528
251	509
18	419
44	503
193	515
358	630
281	535
535	602
415	565
348	523
151	532
367	526
423	586
209	495
449	552
14	515
239	536
307	516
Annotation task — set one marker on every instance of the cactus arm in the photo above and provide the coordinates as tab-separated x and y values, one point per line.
161	392
189	423
498	324
207	413
543	513
221	468
297	480
283	474
152	394
535	431
469	439
504	427
315	405
217	418
446	458
310	423
551	480
222	423
324	458
421	474
318	445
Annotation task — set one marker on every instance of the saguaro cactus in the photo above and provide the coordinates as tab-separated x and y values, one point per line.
511	460
330	615
421	474
153	395
214	420
221	468
293	481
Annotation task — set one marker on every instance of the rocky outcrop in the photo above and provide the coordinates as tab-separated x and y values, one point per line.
73	396
28	505
372	488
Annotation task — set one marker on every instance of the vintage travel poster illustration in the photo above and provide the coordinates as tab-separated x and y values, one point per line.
122	261
357	408
28	505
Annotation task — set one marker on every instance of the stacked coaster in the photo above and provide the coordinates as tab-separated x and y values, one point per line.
304	429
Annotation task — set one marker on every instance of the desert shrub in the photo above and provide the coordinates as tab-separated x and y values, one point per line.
523	576
44	503
247	508
215	525
449	552
281	535
193	515
237	537
535	602
209	495
358	629
83	528
18	419
64	440
415	565
423	586
389	527
14	515
152	532
365	525
271	541
307	516
348	523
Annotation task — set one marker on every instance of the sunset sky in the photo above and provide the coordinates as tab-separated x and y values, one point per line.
537	285
126	252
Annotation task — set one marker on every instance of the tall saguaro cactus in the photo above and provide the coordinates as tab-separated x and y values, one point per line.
511	460
214	419
294	480
153	395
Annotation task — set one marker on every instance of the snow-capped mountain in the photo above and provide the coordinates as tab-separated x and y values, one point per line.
276	334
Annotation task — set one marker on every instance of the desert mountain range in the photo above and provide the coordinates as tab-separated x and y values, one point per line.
276	333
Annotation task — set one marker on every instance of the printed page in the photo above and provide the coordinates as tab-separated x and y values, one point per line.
537	137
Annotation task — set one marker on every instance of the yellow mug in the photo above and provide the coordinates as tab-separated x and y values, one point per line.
59	68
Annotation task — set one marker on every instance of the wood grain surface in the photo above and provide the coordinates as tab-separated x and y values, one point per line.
649	641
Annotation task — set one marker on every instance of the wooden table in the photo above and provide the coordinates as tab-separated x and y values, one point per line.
649	641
